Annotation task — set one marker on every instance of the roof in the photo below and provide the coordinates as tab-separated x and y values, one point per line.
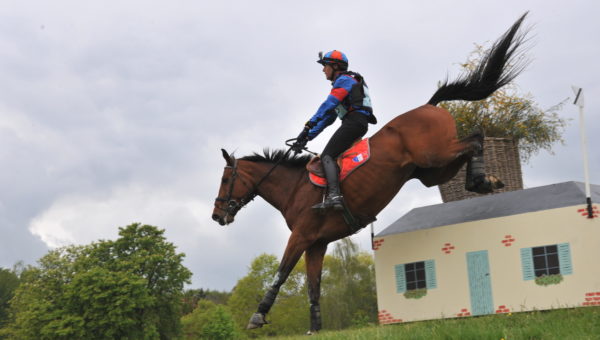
491	206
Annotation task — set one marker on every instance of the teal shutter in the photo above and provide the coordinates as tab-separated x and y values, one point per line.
430	274
527	264
564	258
400	278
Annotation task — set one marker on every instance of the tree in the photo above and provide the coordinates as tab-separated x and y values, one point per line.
191	298
348	290
130	288
9	281
209	321
508	114
348	293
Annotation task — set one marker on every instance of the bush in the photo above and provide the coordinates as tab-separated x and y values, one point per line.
508	114
209	322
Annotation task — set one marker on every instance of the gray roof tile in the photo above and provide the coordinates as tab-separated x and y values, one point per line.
503	204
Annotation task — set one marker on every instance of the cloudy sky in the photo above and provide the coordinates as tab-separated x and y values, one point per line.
113	112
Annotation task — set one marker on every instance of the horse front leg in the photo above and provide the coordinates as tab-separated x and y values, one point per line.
295	247
314	266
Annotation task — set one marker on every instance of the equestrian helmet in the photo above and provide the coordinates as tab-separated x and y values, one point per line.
333	57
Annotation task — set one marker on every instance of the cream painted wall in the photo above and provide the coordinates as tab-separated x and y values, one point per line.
452	296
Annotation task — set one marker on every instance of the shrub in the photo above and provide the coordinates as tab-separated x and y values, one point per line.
508	114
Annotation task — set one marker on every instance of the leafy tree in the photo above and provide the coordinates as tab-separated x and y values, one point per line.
209	321
9	281
290	313
348	290
192	297
508	114
348	293
218	297
130	288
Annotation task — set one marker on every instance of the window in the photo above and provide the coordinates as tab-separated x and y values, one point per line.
546	260
415	275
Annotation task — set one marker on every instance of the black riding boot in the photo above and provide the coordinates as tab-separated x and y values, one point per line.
334	198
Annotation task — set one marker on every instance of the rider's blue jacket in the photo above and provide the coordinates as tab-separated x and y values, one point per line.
349	94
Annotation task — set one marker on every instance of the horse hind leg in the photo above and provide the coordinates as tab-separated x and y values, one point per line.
453	158
314	265
477	180
468	150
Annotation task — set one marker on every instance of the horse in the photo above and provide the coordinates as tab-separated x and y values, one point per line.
419	144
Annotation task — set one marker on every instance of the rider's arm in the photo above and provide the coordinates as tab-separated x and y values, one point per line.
325	114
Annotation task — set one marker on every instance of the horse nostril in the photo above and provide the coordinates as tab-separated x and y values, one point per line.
215	217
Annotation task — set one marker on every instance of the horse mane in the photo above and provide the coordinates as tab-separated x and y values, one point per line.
274	156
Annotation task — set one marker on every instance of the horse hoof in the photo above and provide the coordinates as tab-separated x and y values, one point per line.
484	184
311	332
495	182
256	321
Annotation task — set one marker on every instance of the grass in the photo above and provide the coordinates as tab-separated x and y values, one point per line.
563	324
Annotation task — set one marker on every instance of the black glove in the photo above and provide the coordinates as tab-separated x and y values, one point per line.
301	140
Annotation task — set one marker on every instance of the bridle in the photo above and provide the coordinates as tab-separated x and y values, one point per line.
233	205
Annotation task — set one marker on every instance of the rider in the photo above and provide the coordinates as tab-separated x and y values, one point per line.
349	99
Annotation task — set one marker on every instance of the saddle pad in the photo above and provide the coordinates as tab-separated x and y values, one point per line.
349	161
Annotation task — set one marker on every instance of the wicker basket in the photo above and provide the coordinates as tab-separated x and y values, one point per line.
501	157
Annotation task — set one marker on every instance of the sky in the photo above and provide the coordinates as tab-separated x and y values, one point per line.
114	112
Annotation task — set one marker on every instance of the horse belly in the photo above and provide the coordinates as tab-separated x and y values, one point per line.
371	187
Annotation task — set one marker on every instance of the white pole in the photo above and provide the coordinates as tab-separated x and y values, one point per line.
579	102
585	154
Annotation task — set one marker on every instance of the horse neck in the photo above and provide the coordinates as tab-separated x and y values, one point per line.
277	187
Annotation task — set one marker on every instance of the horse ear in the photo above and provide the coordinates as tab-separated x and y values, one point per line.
228	158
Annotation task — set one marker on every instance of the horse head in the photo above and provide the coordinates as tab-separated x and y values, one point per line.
234	193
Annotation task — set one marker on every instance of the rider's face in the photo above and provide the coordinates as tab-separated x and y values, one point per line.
328	70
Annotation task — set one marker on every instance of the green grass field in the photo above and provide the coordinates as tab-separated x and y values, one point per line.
574	323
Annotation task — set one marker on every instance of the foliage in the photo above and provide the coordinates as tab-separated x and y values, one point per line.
348	290
290	313
130	288
191	298
9	281
415	293
209	321
508	114
573	323
348	297
546	280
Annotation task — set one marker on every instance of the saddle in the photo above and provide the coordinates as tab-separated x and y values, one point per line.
350	160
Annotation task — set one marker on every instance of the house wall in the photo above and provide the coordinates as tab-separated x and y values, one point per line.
502	238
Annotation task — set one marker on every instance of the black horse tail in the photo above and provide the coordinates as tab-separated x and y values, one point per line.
498	67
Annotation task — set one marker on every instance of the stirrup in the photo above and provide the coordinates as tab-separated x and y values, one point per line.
335	202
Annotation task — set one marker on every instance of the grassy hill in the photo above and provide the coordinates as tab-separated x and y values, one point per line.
563	324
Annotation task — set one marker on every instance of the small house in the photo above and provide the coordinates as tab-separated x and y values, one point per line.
531	249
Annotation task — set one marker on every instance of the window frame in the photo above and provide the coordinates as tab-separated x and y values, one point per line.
401	277
565	263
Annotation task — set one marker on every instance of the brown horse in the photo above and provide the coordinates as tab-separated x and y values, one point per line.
420	144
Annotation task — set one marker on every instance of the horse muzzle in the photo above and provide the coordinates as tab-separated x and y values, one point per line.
222	219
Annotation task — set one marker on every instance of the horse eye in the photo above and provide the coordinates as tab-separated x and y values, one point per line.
224	180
